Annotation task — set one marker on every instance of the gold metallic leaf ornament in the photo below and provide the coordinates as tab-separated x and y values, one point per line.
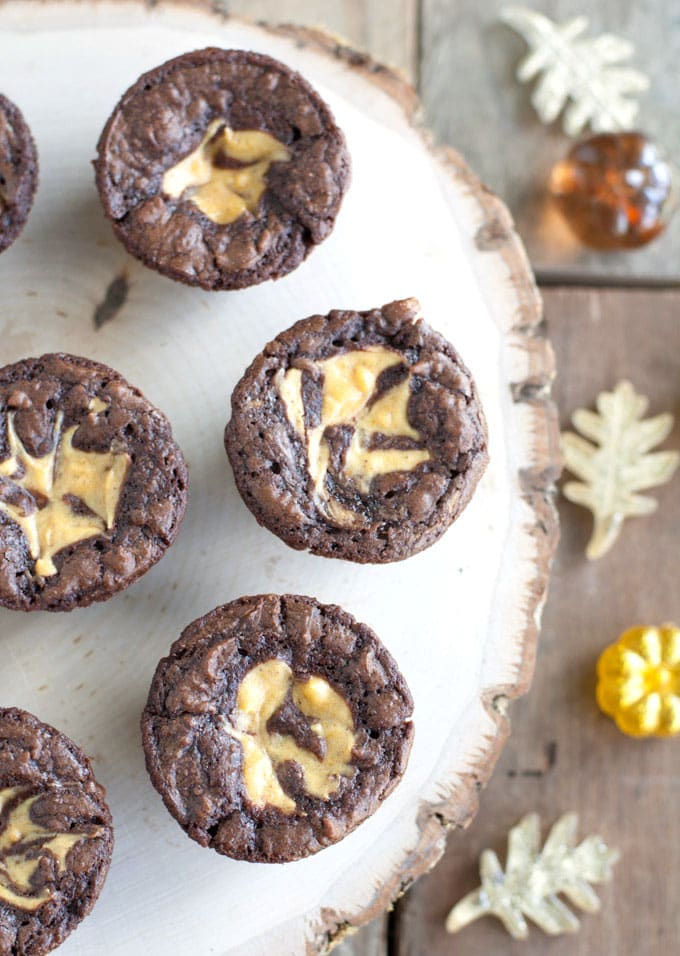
583	72
616	463
638	681
534	879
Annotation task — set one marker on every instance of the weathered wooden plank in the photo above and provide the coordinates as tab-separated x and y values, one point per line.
473	101
386	30
562	753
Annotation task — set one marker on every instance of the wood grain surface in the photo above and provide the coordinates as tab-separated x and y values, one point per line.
562	753
501	290
389	31
532	389
472	100
464	61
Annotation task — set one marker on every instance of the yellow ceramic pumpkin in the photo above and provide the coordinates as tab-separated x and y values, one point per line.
639	681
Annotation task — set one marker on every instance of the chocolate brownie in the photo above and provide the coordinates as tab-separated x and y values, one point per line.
56	835
358	435
92	486
222	168
275	727
18	172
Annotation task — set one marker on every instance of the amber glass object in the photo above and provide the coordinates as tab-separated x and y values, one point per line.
615	190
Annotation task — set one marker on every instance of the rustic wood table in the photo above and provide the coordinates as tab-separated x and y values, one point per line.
608	317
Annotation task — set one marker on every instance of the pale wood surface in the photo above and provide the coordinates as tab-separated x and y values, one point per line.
464	60
562	753
472	100
389	30
497	327
576	759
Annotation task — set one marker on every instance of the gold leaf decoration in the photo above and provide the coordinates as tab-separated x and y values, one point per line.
583	70
619	464
23	844
534	879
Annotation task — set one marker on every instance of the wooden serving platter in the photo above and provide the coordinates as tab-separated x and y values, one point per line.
461	618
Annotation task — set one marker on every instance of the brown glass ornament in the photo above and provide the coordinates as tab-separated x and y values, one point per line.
615	190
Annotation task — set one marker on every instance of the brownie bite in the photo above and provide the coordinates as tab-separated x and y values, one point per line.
18	172
275	726
92	485
222	168
358	435
56	835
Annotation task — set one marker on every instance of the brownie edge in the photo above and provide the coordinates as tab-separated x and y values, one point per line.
18	172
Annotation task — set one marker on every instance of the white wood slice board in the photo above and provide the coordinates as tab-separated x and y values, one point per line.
461	618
